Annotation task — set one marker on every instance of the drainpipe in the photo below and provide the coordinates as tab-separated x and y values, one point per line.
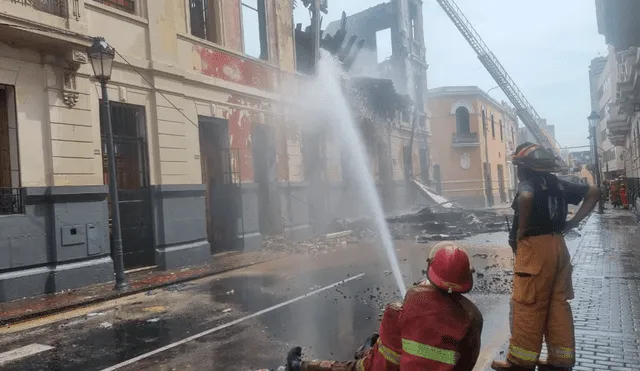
487	166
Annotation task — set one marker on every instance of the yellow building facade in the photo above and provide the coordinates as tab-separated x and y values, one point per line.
471	136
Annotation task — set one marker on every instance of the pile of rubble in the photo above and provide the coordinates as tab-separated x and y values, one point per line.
443	220
312	246
438	224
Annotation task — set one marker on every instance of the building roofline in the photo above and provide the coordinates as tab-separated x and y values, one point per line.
467	90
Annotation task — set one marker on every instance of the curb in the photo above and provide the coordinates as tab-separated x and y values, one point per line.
118	294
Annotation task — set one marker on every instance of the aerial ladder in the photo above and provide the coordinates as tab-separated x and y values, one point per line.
524	109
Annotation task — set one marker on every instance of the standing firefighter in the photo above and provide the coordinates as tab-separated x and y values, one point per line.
436	329
542	281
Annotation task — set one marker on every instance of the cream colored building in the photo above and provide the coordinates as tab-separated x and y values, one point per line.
208	157
471	140
195	90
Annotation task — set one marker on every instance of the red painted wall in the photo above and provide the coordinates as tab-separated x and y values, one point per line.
231	68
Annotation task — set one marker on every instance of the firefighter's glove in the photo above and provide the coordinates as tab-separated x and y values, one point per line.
294	359
368	344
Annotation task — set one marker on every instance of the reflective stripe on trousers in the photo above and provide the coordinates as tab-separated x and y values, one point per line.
562	352
523	354
388	354
428	352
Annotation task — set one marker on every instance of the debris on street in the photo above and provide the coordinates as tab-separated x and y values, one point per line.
312	246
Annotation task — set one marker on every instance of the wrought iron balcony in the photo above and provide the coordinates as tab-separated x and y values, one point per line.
11	201
465	140
55	7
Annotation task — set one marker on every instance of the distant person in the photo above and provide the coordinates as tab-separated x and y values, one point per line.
624	201
614	191
542	269
435	329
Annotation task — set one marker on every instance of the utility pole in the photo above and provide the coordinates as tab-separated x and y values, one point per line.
594	120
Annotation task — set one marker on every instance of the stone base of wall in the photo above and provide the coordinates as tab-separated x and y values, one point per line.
250	235
61	242
180	226
294	198
50	279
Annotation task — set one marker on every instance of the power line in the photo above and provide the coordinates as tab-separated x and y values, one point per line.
63	32
154	88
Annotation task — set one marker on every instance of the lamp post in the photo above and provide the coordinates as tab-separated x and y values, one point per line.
594	119
101	56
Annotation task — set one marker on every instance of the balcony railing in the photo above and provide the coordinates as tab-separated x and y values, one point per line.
11	201
465	139
55	7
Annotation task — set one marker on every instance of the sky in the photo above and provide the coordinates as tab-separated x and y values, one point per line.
545	45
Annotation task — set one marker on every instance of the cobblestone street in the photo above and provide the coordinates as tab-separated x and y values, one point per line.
607	293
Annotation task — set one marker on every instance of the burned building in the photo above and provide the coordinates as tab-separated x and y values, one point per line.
384	106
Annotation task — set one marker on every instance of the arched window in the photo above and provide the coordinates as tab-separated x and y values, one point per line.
462	120
501	131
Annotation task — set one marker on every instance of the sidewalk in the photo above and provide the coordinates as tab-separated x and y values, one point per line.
139	281
606	279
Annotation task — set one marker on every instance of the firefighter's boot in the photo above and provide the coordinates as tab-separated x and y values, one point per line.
544	366
508	366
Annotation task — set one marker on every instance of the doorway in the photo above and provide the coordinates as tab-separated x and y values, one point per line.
128	125
10	192
314	157
223	193
488	184
437	178
264	165
424	166
503	194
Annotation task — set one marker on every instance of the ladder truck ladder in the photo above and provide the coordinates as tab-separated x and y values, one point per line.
524	109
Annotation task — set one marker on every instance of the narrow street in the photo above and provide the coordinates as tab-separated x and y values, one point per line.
247	319
328	301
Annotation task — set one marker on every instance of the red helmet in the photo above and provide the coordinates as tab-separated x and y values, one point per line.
449	268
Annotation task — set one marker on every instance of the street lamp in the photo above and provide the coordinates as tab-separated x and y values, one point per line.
101	56
594	119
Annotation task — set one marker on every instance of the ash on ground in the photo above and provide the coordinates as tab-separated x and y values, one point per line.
312	246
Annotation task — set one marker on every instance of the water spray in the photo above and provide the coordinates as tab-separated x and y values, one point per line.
341	121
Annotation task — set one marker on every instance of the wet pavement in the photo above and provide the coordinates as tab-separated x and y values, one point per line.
248	318
606	282
328	302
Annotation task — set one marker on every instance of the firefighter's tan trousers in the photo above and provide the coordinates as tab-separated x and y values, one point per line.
541	287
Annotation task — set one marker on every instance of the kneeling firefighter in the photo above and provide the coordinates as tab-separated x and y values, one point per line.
436	329
542	282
